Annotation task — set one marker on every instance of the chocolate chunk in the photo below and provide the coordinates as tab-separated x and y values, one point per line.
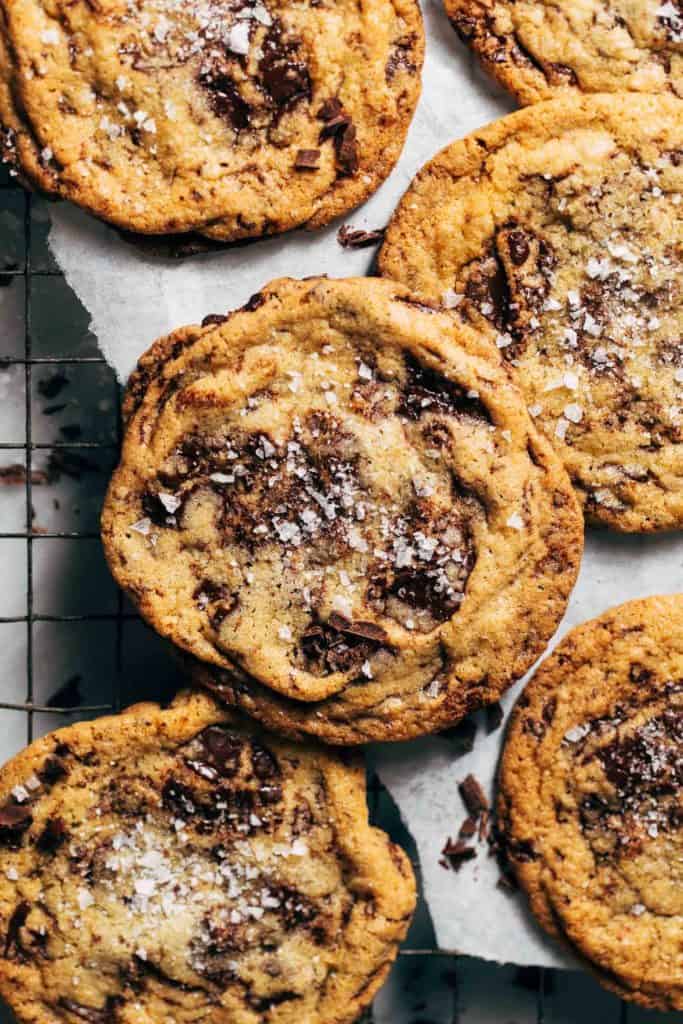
424	589
350	238
400	58
456	853
225	99
426	390
214	318
519	247
285	79
179	800
340	645
16	923
549	709
330	109
494	717
346	145
339	127
153	508
52	836
307	160
473	796
92	1014
52	771
266	766
222	750
15	819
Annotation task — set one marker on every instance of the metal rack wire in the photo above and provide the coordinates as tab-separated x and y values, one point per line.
30	361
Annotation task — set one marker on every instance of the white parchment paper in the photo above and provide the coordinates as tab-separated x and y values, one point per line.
133	298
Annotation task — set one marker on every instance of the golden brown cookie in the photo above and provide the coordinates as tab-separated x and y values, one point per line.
232	119
590	797
560	230
337	495
179	865
538	50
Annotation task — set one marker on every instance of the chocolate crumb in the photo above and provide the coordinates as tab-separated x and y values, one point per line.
16	474
355	238
456	853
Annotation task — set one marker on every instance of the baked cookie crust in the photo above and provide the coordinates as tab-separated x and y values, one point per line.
337	497
232	120
559	229
590	797
180	864
539	50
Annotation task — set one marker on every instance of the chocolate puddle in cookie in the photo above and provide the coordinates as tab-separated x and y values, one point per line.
308	494
616	321
219	829
643	767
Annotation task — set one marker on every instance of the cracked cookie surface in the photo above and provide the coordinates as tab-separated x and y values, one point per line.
233	119
590	797
539	49
182	865
337	497
560	231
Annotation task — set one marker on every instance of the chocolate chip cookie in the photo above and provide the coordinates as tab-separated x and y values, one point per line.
590	798
177	865
538	50
560	230
235	120
337	496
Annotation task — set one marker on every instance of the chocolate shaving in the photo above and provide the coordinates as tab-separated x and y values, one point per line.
366	630
339	127
456	853
355	238
16	474
307	160
468	828
473	796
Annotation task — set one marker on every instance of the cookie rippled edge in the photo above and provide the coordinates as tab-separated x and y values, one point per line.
590	797
336	500
558	230
181	860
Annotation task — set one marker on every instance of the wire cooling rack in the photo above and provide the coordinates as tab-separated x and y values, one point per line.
471	992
